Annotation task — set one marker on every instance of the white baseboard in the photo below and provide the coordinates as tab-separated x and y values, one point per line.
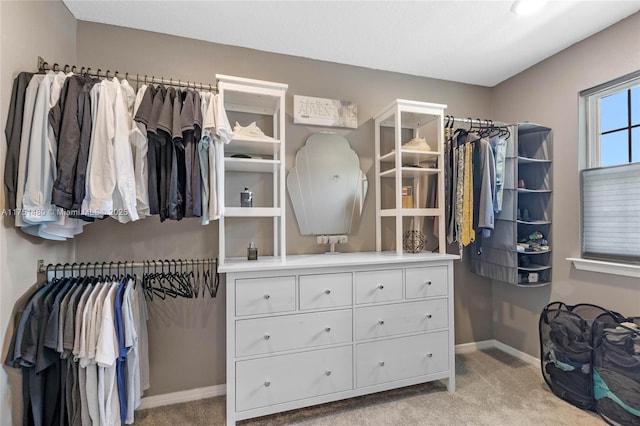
182	396
522	356
217	390
467	348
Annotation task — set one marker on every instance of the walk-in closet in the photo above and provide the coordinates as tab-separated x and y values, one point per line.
313	212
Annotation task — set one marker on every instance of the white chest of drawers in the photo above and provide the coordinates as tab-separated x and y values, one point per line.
318	328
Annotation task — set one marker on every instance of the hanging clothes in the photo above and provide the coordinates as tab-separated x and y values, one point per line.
78	342
13	133
139	148
467	235
499	145
83	148
223	136
471	185
204	144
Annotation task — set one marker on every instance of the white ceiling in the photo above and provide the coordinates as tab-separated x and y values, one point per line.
477	42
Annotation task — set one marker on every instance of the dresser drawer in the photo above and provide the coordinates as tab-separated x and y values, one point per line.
325	290
426	282
278	379
285	332
265	295
378	286
401	358
400	318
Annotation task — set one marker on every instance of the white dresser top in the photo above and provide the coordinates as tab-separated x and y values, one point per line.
268	263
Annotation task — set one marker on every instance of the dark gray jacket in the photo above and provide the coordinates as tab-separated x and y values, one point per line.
13	132
66	123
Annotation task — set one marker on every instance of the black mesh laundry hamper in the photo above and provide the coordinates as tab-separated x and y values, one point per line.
616	371
566	349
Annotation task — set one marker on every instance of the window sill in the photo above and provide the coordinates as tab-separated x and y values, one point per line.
605	267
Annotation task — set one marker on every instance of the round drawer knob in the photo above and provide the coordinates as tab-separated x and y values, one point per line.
267	383
429	315
428	283
267	336
380	287
429	355
266	296
327	329
327	291
327	372
381	322
381	363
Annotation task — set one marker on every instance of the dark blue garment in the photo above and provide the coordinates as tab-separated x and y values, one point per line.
564	358
122	354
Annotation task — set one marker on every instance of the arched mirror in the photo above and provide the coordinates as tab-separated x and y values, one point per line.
326	186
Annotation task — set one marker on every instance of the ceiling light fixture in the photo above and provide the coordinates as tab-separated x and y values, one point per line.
527	7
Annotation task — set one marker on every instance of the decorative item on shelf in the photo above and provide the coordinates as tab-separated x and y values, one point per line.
246	198
324	112
252	131
522	184
252	251
416	144
407	197
413	241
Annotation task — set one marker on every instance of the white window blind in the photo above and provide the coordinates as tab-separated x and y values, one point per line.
611	213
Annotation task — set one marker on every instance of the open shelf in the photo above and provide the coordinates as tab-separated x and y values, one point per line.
253	212
527	160
250	165
538	284
409	172
534	252
533	222
239	145
410	212
411	156
534	268
419	179
533	191
265	165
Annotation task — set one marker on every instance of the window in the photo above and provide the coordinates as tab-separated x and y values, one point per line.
610	171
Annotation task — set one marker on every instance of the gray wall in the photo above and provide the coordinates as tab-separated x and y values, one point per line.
547	93
184	59
187	337
28	29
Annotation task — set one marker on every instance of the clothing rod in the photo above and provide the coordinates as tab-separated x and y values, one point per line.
42	268
469	120
44	66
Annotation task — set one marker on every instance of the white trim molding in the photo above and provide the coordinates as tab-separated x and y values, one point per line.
182	396
522	356
467	348
602	267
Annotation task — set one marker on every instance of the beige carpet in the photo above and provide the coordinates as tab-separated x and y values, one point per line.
493	388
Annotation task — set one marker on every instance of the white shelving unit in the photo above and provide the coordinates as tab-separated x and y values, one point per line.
263	98
395	125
